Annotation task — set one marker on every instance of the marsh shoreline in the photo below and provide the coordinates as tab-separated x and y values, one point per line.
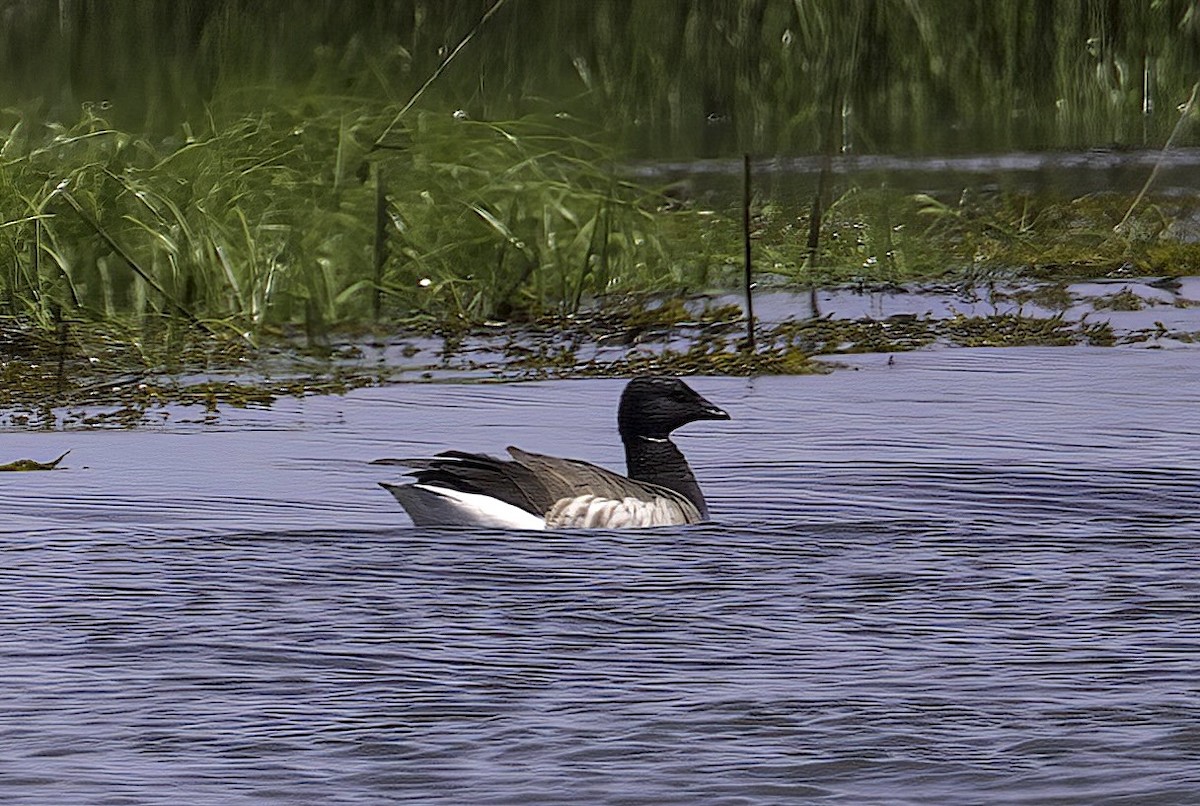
78	381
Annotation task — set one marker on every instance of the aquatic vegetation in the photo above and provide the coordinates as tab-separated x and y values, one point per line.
130	261
332	205
704	360
828	336
653	334
281	194
80	361
873	235
1050	296
26	465
1123	300
647	336
1098	334
1009	331
270	221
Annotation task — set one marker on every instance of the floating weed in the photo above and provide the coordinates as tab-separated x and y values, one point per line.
704	360
1123	300
1098	334
1008	330
882	235
1049	296
824	336
25	465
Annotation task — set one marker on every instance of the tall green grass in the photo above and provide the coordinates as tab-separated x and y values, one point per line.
270	220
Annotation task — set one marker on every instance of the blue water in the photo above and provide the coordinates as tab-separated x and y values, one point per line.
970	577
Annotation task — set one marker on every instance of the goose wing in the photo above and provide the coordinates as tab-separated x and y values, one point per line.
480	474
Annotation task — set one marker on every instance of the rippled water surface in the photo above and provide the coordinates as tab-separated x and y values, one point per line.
968	577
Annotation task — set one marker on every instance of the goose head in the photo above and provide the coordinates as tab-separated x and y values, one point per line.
653	407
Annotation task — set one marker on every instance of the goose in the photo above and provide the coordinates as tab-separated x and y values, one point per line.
533	491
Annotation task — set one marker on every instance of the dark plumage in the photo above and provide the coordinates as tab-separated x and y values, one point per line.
533	491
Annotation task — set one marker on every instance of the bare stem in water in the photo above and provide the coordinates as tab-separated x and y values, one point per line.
746	242
381	245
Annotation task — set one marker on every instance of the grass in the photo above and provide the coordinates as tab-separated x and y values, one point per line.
874	235
269	222
197	251
123	256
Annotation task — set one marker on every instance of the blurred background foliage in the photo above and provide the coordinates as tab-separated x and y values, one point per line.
667	77
671	78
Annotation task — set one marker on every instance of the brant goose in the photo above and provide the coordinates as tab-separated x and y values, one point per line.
544	492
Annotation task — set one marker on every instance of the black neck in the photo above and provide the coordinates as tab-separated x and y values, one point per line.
658	461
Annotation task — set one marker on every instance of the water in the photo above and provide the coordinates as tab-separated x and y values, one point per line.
967	577
793	180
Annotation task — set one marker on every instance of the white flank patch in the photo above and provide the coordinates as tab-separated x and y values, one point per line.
428	505
593	512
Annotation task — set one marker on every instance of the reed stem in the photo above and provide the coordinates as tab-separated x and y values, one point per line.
746	188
